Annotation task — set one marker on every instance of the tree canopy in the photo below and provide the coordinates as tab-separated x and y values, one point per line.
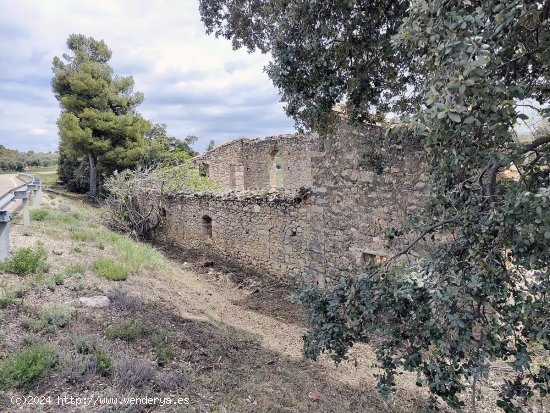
99	120
456	77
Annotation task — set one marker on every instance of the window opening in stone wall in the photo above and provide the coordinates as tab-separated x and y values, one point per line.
232	177
276	174
207	226
204	170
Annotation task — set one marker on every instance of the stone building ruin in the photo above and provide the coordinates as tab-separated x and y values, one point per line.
299	205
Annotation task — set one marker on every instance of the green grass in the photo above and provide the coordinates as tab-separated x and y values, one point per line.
110	269
82	235
137	256
27	261
39	214
74	269
67	218
127	330
27	367
48	175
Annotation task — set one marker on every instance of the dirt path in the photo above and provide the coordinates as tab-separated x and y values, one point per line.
203	297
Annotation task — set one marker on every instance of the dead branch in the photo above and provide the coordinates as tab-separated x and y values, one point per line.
424	232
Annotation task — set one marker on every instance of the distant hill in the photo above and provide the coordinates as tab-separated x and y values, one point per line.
12	160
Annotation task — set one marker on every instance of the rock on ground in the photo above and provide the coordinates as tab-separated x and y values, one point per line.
97	301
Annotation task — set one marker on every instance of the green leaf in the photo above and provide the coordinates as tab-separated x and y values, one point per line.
455	117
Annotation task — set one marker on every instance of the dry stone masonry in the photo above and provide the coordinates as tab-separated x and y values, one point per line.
299	205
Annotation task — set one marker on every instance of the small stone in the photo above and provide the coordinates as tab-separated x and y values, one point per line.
420	185
208	263
64	208
186	265
96	301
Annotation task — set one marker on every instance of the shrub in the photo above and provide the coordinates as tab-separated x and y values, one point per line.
133	372
58	279
75	269
163	348
123	212
127	330
9	296
55	280
50	319
77	367
6	298
26	367
40	214
104	362
110	269
26	261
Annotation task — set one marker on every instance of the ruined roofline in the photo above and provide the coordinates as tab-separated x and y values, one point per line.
295	197
253	140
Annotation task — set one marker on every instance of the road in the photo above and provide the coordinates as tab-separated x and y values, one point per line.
8	182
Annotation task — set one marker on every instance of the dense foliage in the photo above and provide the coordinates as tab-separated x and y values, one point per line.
12	160
100	129
456	76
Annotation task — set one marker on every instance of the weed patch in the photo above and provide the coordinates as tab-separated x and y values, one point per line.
89	347
10	296
137	256
27	261
50	319
110	269
127	330
133	372
39	214
27	367
81	235
74	269
163	348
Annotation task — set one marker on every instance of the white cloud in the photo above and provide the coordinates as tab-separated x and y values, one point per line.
194	83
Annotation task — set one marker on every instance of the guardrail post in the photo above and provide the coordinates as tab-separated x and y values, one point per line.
4	235
38	194
32	192
23	195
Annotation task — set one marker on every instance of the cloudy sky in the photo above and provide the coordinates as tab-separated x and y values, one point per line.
194	83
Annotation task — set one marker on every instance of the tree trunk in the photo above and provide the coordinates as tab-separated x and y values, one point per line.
93	175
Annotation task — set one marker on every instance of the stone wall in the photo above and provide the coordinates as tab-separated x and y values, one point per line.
278	162
263	233
360	185
223	165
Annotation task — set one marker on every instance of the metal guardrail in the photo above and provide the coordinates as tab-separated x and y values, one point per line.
30	189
